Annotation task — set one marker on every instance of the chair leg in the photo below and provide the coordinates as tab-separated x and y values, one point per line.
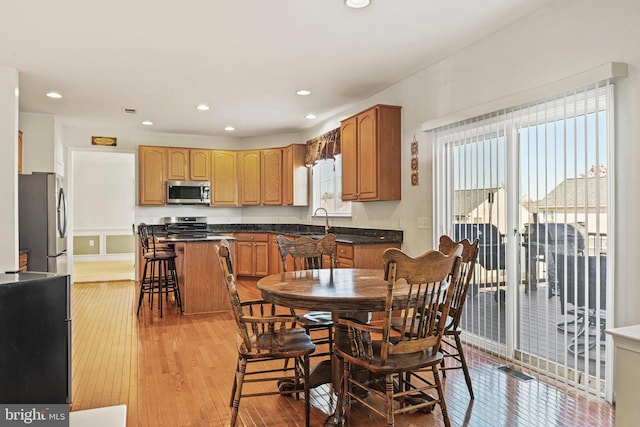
307	408
142	285
346	399
388	380
465	368
160	278
443	405
176	289
242	368
235	383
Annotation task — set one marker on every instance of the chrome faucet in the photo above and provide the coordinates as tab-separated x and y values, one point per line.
326	219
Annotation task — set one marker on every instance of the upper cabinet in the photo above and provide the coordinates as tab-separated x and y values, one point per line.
260	177
295	176
249	177
224	185
152	175
178	164
271	177
188	164
371	145
199	165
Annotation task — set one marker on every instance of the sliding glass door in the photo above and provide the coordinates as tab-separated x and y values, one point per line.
531	184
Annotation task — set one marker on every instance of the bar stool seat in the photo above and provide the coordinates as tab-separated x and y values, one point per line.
159	276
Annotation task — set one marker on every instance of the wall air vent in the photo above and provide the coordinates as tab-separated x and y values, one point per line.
129	110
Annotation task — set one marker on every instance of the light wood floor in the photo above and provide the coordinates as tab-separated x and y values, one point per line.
178	371
103	271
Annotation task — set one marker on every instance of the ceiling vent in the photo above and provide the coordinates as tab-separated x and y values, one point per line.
129	110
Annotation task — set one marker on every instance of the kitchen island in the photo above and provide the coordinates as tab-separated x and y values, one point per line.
200	278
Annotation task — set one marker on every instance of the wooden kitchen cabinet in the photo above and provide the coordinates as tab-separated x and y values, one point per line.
260	177
188	164
275	262
199	165
252	251
344	256
362	256
224	185
295	176
271	177
152	175
371	147
249	177
178	164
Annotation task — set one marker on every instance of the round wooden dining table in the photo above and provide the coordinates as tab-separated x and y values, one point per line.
337	290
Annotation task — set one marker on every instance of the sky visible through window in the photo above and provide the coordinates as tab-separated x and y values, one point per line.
549	153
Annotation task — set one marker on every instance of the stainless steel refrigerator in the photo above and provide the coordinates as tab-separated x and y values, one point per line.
43	221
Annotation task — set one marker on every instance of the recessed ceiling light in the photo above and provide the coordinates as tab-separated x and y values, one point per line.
303	92
147	123
357	4
54	95
310	116
203	107
229	128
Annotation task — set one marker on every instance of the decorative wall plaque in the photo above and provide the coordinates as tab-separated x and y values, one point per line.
414	162
103	140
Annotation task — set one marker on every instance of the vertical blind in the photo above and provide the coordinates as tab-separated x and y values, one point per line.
531	183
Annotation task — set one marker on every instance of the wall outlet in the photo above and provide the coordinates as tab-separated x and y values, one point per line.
91	242
424	223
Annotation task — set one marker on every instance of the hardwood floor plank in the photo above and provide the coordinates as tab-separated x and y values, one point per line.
178	371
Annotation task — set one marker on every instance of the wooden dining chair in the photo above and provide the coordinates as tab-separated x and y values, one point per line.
305	253
451	346
398	360
264	336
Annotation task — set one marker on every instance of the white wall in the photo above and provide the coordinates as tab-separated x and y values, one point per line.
9	169
104	190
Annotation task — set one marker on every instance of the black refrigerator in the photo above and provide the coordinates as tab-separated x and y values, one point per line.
35	338
42	216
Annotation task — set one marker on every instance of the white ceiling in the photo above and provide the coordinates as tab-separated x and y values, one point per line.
245	58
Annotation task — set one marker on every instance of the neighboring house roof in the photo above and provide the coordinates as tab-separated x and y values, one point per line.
578	192
465	201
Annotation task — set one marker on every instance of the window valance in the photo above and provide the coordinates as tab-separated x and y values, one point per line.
325	146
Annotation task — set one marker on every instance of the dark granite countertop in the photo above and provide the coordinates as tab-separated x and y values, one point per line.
210	238
354	236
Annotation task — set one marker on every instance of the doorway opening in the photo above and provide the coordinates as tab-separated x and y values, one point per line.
103	189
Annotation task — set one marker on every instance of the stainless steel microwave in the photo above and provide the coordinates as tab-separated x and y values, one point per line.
188	192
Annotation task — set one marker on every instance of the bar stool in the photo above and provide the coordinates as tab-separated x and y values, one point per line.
159	275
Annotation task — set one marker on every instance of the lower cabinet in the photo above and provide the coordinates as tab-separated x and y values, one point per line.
258	255
252	251
362	256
